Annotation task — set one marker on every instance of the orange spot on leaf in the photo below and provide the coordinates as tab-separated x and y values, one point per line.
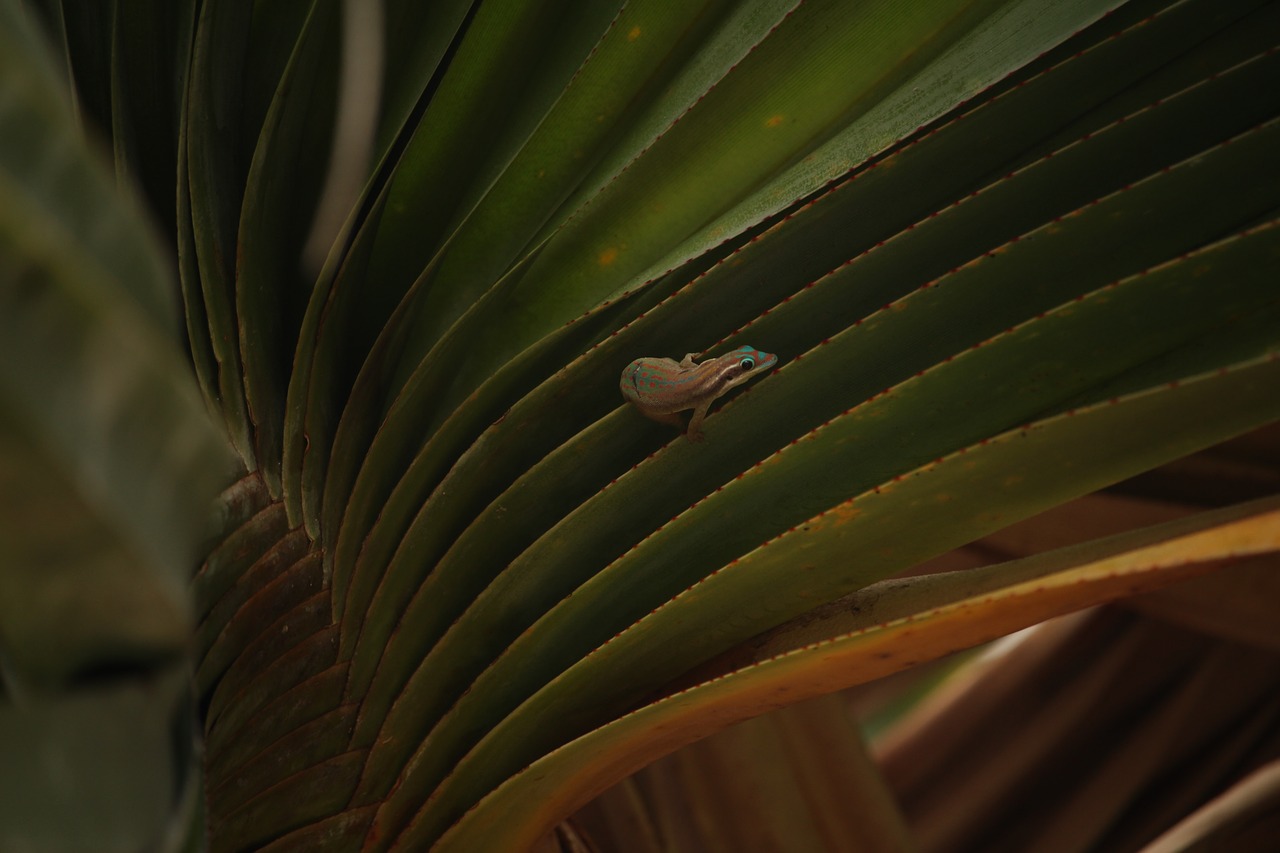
838	516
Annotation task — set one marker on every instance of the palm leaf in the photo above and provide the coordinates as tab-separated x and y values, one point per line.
1009	253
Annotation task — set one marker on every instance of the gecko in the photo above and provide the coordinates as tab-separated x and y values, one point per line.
661	387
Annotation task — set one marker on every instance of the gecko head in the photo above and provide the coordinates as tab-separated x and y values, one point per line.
748	362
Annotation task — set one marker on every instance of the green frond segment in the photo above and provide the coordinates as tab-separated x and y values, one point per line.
1077	88
356	580
150	51
778	106
1006	381
635	58
419	42
282	186
598	103
211	124
620	594
204	361
887	627
418	36
457	151
239	52
979	46
435	387
358	476
432	384
514	58
1011	275
447	138
763	274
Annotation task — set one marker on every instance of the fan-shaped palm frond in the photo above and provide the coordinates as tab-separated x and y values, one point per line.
1008	254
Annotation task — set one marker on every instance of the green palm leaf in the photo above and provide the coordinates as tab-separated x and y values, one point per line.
1009	254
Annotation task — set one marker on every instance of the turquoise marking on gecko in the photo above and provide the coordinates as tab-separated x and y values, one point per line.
661	387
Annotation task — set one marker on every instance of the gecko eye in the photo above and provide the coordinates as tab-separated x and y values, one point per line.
746	364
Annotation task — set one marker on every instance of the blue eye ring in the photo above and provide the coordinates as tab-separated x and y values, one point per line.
747	364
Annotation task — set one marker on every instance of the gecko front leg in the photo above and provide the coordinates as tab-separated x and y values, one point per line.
694	432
